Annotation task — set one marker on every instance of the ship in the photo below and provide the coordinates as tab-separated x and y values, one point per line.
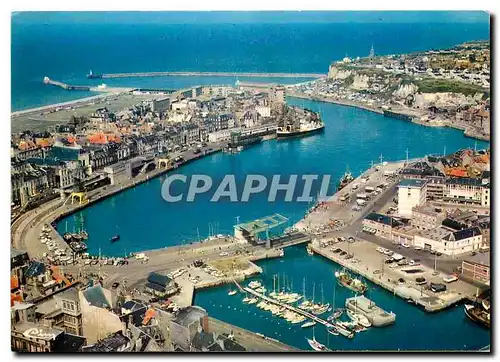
308	123
345	180
305	128
346	280
91	75
115	238
478	315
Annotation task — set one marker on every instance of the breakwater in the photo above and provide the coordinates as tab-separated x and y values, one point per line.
209	74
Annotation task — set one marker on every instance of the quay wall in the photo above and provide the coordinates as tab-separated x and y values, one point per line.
386	284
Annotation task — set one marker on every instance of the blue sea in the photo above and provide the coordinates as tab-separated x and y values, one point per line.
65	46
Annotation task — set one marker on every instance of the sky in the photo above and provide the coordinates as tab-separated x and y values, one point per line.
211	17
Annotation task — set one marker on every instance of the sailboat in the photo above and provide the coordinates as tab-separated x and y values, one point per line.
336	313
315	345
357	317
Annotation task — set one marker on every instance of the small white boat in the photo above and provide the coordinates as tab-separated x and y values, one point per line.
359	318
254	284
246	300
232	292
309	250
333	331
253	301
308	324
343	330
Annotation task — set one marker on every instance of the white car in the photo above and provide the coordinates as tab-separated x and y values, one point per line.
450	278
224	253
405	245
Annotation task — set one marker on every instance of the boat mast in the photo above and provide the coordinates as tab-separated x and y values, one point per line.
304	288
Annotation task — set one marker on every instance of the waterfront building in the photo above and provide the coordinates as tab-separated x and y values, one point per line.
426	217
160	104
277	95
107	154
117	171
465	190
435	188
381	224
160	285
221	136
186	324
448	241
411	193
478	271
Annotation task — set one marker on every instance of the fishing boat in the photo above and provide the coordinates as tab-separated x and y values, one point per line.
345	180
232	292
478	315
346	280
308	324
359	318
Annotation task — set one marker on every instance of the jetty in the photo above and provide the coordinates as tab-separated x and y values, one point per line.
62	85
376	315
284	305
208	74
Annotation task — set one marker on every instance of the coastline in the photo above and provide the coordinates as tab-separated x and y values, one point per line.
466	130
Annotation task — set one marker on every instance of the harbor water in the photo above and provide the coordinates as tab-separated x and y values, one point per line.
414	329
352	139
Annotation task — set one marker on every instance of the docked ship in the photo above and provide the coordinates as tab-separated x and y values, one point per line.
478	315
305	123
348	281
345	180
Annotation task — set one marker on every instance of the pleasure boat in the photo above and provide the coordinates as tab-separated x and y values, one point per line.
359	318
308	324
319	347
